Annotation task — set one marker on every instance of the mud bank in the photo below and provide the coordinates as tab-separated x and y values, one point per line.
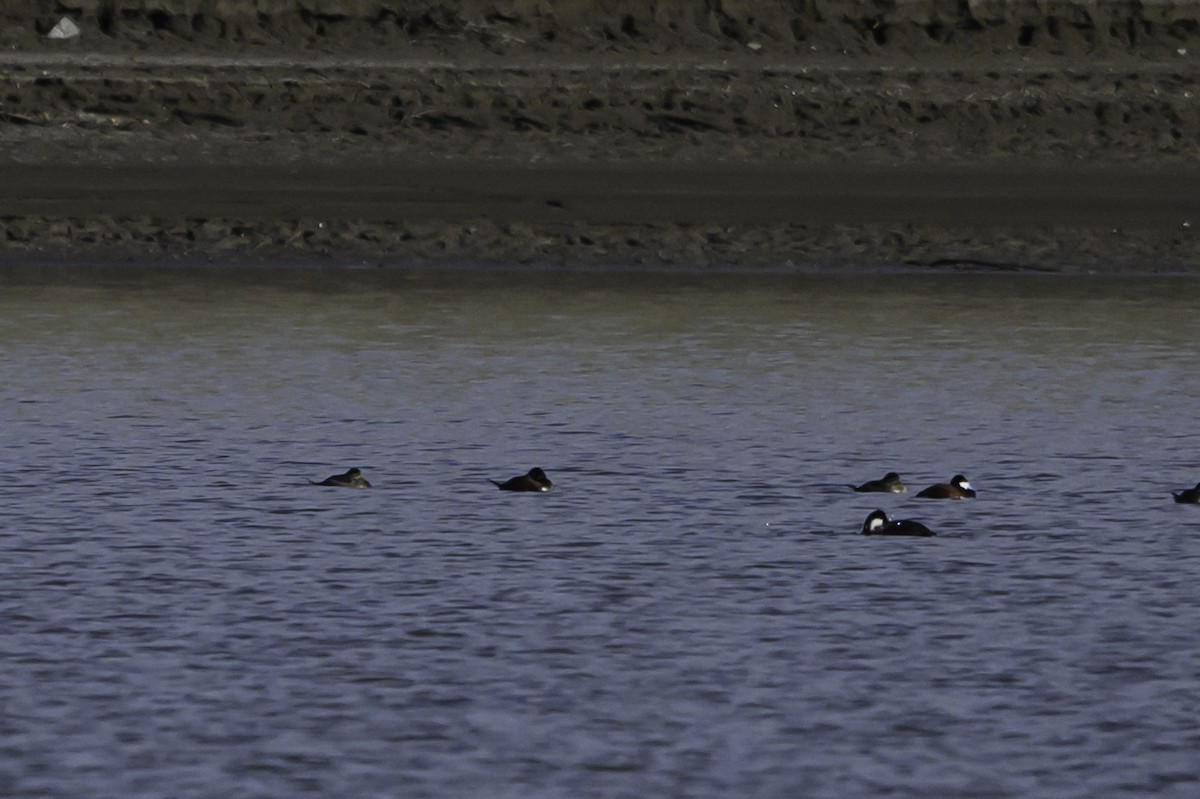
648	213
927	128
921	28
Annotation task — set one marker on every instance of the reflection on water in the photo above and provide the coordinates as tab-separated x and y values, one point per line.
690	611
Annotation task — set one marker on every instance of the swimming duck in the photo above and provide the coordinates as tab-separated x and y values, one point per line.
1189	495
877	524
351	479
890	483
534	480
957	488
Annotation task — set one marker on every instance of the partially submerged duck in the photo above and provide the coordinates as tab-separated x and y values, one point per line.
351	479
957	488
890	483
1188	495
533	480
877	524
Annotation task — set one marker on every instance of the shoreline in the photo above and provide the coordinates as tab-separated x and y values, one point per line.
647	213
912	137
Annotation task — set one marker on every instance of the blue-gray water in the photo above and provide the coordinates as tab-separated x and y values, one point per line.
690	613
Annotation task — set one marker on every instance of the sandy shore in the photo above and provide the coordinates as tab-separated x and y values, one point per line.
1015	141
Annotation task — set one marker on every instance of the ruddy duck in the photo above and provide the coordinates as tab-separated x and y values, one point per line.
534	480
1189	495
351	479
877	524
957	488
890	483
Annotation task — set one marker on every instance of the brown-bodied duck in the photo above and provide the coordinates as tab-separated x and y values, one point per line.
890	483
533	480
353	478
957	488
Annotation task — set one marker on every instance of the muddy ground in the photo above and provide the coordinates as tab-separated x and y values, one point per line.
1050	136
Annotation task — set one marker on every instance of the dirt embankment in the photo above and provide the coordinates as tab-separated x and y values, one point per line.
921	28
996	87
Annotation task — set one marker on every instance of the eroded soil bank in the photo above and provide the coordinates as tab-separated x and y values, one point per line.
1019	135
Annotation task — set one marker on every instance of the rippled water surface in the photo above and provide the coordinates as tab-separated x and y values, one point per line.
690	613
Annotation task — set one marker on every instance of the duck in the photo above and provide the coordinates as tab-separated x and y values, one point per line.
351	479
877	524
890	483
957	488
1189	495
533	480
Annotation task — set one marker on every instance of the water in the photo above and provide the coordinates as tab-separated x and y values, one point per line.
689	613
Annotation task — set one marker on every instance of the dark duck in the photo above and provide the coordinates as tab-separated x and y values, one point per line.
878	524
351	479
890	483
957	488
1188	495
533	480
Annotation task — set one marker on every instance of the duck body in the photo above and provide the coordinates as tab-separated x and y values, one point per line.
1190	496
351	479
533	480
877	523
890	483
957	488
